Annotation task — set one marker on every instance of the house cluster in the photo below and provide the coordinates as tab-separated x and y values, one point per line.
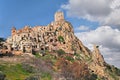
56	35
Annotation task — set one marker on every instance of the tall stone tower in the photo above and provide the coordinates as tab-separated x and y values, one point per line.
59	16
13	31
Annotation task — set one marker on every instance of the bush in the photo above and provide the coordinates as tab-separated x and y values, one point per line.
60	52
93	77
113	69
117	71
69	58
60	38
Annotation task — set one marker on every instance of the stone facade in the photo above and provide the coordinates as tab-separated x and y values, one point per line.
56	35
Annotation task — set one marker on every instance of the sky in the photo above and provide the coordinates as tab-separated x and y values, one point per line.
94	21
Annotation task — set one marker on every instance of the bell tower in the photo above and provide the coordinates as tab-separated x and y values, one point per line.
59	16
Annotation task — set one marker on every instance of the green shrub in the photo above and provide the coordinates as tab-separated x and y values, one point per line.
108	67
117	71
69	58
37	55
60	38
93	77
60	52
113	71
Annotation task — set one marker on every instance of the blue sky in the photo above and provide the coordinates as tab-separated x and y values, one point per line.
94	21
19	13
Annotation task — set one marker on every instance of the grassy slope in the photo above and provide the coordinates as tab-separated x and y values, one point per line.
14	71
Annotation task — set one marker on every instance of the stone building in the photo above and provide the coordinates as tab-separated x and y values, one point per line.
59	34
56	35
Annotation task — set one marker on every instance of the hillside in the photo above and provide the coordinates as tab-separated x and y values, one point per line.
52	53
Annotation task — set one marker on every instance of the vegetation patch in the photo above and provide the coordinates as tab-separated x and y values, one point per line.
60	39
37	55
69	58
14	71
46	76
113	71
28	68
60	52
78	56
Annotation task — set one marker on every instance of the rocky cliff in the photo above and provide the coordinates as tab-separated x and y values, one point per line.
93	59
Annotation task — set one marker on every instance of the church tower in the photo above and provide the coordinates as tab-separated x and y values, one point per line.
59	16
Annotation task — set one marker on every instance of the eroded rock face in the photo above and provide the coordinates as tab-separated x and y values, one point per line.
98	63
97	57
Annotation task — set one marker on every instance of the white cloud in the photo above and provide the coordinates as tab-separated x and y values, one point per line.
103	11
108	39
115	4
113	18
82	28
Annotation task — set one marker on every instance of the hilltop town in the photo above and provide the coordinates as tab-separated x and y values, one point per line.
56	37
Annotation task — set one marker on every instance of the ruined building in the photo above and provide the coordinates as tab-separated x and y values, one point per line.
56	35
